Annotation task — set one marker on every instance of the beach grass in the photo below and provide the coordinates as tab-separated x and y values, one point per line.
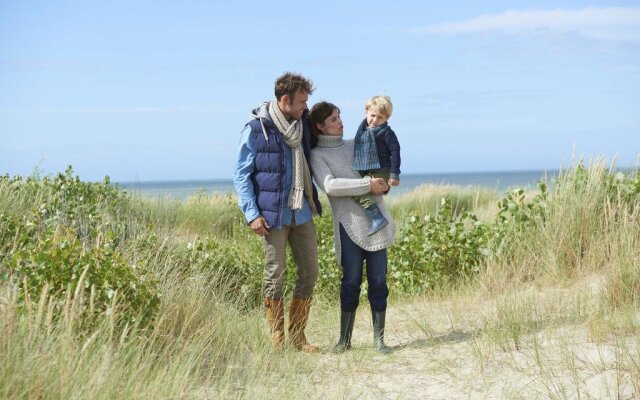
552	312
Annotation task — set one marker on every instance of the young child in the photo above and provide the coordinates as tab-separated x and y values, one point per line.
377	154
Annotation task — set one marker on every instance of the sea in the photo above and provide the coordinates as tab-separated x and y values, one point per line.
498	181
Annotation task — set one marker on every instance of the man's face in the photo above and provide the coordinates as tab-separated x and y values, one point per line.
293	107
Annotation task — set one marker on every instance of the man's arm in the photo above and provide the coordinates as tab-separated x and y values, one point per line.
245	166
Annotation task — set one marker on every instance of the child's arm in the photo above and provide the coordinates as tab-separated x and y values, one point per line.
394	150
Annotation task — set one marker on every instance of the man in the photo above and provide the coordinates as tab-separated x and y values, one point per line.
279	200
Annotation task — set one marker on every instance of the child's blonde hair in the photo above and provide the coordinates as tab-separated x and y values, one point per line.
382	102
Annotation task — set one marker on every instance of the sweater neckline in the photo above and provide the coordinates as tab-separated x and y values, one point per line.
330	141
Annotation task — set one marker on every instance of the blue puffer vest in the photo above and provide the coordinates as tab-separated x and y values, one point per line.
269	173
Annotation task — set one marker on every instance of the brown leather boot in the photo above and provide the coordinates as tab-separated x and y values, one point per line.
275	316
298	316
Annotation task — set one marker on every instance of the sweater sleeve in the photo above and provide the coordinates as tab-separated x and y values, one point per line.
335	186
394	149
245	165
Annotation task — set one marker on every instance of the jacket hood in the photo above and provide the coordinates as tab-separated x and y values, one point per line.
262	111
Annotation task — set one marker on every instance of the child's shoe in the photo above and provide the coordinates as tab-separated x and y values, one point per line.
378	221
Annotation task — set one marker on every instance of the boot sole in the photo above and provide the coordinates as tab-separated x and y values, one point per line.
341	349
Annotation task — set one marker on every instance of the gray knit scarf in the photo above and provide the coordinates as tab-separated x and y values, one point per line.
301	177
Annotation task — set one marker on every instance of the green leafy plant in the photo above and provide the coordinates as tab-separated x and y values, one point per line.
66	240
437	249
516	215
57	260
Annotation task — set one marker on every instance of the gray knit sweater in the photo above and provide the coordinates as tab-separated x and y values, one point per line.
332	168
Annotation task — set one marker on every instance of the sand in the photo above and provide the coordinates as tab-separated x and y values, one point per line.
437	356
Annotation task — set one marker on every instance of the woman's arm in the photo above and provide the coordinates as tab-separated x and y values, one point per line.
334	186
347	186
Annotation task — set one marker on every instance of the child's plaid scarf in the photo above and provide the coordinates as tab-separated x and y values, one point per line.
365	155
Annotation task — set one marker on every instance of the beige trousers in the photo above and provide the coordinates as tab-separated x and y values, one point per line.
304	248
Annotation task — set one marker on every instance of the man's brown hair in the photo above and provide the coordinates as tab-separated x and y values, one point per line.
291	83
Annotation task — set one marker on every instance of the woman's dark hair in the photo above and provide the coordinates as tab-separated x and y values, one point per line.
318	114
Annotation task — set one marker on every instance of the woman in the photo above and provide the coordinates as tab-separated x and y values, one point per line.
331	161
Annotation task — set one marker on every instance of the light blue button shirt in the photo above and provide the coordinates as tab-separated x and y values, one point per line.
245	166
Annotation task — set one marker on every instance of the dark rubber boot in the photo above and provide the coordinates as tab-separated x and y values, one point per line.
346	329
378	331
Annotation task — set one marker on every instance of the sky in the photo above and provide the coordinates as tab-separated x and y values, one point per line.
160	90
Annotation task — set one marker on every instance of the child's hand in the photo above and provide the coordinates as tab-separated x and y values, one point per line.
394	182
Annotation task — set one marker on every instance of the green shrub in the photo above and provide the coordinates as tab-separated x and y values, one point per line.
436	249
626	186
58	260
516	216
87	207
330	271
57	230
68	225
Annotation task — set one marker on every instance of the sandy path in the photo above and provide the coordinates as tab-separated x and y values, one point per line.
437	359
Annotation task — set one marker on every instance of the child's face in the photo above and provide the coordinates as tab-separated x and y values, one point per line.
332	126
375	117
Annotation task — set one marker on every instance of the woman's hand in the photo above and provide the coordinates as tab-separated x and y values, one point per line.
378	186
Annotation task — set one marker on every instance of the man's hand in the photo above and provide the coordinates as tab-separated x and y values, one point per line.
378	186
260	226
394	182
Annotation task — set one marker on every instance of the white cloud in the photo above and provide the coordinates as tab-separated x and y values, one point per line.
609	23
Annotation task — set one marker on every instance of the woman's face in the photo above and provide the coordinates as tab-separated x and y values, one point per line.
332	126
